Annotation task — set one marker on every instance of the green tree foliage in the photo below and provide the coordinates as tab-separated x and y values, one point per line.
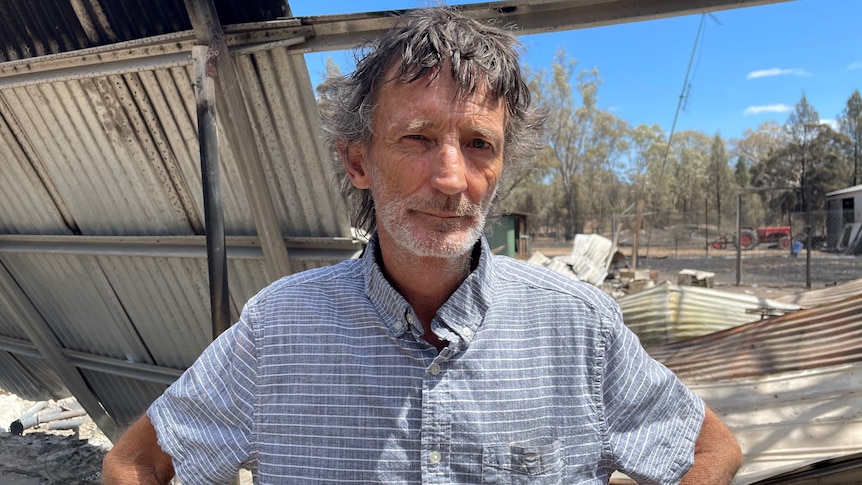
536	194
585	141
824	154
647	147
324	89
720	181
741	174
758	144
802	125
689	170
850	124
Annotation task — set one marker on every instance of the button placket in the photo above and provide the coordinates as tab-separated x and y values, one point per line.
436	425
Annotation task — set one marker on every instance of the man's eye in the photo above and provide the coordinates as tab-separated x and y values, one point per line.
480	144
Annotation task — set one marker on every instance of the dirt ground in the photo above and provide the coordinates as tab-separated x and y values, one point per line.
42	457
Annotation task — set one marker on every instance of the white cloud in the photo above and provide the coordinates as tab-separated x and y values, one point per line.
775	71
854	65
769	108
831	122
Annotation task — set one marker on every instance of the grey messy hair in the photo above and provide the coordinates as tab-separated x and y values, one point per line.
420	45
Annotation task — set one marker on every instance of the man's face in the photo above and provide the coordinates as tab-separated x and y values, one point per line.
433	165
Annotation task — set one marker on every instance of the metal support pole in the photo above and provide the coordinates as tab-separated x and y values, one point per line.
240	135
706	223
736	239
205	98
807	238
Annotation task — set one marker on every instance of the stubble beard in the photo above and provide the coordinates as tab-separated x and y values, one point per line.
403	218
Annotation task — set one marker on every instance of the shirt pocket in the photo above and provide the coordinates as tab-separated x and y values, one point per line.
527	463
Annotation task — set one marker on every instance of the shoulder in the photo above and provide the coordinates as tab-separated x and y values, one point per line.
311	285
539	282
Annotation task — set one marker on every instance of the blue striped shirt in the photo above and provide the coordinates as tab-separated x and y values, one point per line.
325	379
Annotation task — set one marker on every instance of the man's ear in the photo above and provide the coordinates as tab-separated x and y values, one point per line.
353	158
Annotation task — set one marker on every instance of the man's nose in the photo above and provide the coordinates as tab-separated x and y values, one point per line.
450	171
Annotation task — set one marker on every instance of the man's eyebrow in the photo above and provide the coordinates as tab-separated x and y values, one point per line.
487	133
419	124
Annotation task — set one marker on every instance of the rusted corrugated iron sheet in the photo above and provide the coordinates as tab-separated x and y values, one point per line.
790	386
119	155
807	339
670	313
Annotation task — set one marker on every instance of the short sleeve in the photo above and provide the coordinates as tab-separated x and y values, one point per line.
653	419
203	420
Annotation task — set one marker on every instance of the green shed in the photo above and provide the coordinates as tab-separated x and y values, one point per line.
507	235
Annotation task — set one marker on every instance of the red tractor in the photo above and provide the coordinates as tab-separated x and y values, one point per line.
775	236
750	238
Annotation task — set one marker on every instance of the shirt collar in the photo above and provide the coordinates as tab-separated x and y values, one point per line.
462	313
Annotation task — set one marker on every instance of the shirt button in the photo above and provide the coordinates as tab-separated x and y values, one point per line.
435	369
467	331
435	457
409	317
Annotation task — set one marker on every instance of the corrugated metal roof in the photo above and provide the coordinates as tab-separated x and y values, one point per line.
848	190
31	29
824	296
789	387
589	261
113	153
790	419
806	339
670	313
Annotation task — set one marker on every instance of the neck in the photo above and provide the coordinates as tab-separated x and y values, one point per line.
425	282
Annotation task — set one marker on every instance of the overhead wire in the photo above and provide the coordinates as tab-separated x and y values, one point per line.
683	96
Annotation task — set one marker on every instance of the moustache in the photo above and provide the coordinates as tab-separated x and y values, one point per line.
458	205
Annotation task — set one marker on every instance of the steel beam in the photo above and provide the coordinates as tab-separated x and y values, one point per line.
334	32
98	363
239	247
45	342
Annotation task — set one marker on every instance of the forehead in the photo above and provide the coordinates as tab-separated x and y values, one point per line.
439	95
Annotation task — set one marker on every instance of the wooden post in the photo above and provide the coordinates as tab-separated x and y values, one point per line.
637	230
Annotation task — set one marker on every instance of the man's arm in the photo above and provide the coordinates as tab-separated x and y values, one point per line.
137	458
717	456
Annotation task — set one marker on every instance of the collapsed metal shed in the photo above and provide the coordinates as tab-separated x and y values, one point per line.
105	107
671	313
789	386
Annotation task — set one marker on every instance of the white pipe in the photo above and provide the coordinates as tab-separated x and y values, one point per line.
34	409
50	416
65	424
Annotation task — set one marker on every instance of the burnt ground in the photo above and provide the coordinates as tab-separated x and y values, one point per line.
762	271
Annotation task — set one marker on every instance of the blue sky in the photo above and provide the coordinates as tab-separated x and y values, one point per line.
752	64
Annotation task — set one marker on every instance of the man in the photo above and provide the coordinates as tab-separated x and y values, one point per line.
428	360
